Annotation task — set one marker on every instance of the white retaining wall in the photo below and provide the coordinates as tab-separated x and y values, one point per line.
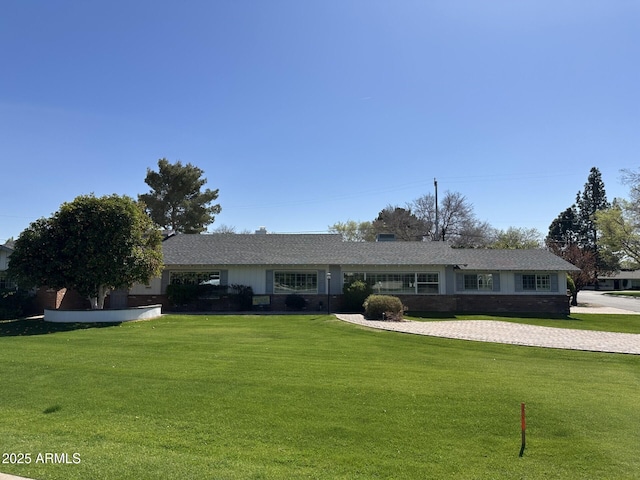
103	316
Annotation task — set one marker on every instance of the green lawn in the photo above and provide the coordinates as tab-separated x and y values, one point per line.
270	397
625	293
584	321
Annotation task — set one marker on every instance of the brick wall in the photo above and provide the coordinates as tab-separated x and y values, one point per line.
551	304
544	304
64	299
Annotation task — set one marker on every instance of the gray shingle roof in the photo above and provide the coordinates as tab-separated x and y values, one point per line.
323	249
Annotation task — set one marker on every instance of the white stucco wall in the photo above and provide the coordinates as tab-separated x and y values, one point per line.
154	287
103	316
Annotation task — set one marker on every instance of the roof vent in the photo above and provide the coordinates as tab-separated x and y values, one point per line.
261	231
386	237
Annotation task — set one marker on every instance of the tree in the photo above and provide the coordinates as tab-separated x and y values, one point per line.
592	200
176	201
457	224
224	229
573	235
619	229
91	245
564	230
401	222
619	226
517	238
353	231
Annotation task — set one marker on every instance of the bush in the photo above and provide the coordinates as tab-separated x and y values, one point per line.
180	295
295	302
243	296
355	293
13	303
379	307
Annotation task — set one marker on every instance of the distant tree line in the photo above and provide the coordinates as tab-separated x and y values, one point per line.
456	224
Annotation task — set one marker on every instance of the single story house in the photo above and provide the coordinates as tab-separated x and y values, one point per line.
622	280
427	276
5	253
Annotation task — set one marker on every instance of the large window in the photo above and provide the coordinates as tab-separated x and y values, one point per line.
397	283
295	282
479	281
537	282
195	278
5	283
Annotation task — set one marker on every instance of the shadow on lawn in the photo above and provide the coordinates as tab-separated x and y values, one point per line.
37	326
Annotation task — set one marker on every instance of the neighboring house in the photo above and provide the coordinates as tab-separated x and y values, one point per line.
623	280
427	276
5	253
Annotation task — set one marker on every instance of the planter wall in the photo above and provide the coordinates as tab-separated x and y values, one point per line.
103	316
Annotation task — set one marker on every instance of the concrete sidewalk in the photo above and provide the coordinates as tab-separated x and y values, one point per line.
6	476
494	331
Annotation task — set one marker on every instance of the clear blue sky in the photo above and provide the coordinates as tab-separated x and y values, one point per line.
306	113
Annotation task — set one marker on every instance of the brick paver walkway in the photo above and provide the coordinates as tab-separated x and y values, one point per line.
494	331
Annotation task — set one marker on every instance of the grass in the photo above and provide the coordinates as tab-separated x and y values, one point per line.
270	397
624	293
622	323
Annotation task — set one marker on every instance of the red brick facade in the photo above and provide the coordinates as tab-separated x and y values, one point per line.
505	304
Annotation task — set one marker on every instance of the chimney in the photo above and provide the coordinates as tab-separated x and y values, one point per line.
261	231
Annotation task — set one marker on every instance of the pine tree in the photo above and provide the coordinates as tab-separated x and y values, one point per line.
176	201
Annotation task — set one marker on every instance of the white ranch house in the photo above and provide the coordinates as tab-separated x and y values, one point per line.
427	276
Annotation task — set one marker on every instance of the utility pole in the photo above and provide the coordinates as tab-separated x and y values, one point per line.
435	184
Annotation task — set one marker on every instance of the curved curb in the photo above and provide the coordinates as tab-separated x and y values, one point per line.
103	316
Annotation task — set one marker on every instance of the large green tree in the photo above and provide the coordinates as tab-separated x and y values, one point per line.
619	226
91	245
176	200
619	229
400	222
573	235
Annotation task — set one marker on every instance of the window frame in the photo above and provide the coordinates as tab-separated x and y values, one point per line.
300	279
5	282
536	282
195	277
478	282
408	283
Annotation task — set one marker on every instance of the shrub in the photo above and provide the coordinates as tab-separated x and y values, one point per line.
378	307
355	293
295	302
182	294
13	303
179	294
244	296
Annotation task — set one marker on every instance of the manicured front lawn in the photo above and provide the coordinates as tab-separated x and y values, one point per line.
194	397
580	321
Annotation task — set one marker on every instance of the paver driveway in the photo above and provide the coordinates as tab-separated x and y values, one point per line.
494	331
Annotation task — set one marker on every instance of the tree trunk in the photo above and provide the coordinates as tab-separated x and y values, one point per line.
97	303
102	294
574	299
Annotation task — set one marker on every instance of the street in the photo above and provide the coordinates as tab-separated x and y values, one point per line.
598	298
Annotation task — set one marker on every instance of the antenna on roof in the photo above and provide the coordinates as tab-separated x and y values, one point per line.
435	184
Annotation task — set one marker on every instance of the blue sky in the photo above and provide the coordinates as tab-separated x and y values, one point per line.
306	113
